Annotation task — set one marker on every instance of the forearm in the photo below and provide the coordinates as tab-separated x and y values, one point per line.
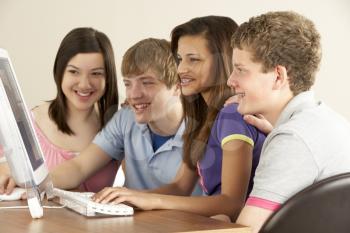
253	217
66	175
171	189
4	168
183	184
204	205
70	174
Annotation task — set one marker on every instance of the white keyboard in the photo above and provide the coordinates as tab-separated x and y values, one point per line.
81	202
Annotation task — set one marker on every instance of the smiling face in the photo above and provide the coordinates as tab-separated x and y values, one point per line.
84	81
254	88
195	65
148	96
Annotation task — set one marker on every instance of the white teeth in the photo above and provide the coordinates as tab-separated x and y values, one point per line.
83	94
141	106
185	80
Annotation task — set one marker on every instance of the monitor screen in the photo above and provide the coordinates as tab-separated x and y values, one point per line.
17	130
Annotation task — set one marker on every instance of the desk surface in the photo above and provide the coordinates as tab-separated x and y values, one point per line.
64	220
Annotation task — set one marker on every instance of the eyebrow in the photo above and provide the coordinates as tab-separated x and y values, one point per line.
97	68
238	65
190	54
141	78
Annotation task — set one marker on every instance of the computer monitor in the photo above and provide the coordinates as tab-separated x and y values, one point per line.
17	131
17	136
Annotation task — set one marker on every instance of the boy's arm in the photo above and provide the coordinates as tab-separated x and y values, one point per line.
72	173
253	217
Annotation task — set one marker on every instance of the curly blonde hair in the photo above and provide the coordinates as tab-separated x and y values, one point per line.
283	38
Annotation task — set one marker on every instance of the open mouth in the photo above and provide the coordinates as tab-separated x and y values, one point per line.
140	107
185	81
84	94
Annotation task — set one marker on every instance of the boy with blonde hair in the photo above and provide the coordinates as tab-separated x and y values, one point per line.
147	133
275	57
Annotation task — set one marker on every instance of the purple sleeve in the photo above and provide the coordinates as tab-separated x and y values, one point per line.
230	126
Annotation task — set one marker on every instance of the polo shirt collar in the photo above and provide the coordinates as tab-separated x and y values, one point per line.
296	104
176	141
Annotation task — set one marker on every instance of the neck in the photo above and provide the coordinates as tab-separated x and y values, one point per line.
170	123
206	96
76	117
272	116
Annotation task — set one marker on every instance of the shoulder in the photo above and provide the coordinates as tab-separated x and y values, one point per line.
230	121
40	114
231	108
124	114
123	118
230	114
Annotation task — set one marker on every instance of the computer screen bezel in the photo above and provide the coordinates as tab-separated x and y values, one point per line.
39	173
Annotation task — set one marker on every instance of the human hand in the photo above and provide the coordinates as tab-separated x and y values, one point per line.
145	201
7	183
260	122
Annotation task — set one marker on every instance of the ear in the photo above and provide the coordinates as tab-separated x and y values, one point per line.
281	79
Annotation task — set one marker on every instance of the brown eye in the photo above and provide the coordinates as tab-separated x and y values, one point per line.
73	71
193	59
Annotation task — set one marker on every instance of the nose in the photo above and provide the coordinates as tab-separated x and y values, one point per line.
182	67
84	82
134	91
231	81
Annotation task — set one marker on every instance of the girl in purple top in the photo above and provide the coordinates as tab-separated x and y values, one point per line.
228	126
220	148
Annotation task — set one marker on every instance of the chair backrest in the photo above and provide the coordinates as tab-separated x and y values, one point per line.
323	207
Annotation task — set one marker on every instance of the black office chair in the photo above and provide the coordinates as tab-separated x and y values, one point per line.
323	207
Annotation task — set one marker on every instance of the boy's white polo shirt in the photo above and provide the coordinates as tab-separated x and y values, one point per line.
310	142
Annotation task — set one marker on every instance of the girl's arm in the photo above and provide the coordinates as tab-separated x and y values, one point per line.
237	157
183	184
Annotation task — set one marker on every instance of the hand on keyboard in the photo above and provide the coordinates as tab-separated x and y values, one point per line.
142	200
81	202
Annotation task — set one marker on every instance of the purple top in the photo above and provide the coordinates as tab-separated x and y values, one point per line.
229	125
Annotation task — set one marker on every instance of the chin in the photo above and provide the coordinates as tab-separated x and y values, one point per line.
243	110
84	107
188	91
240	109
141	120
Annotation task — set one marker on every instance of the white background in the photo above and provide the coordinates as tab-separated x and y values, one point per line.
32	30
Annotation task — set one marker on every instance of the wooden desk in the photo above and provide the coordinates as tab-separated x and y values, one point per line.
67	221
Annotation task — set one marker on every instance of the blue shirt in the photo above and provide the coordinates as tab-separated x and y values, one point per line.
158	140
229	125
124	138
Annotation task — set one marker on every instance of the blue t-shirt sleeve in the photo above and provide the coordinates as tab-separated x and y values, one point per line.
231	126
111	138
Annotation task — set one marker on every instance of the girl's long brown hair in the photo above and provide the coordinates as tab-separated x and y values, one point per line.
84	40
199	116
